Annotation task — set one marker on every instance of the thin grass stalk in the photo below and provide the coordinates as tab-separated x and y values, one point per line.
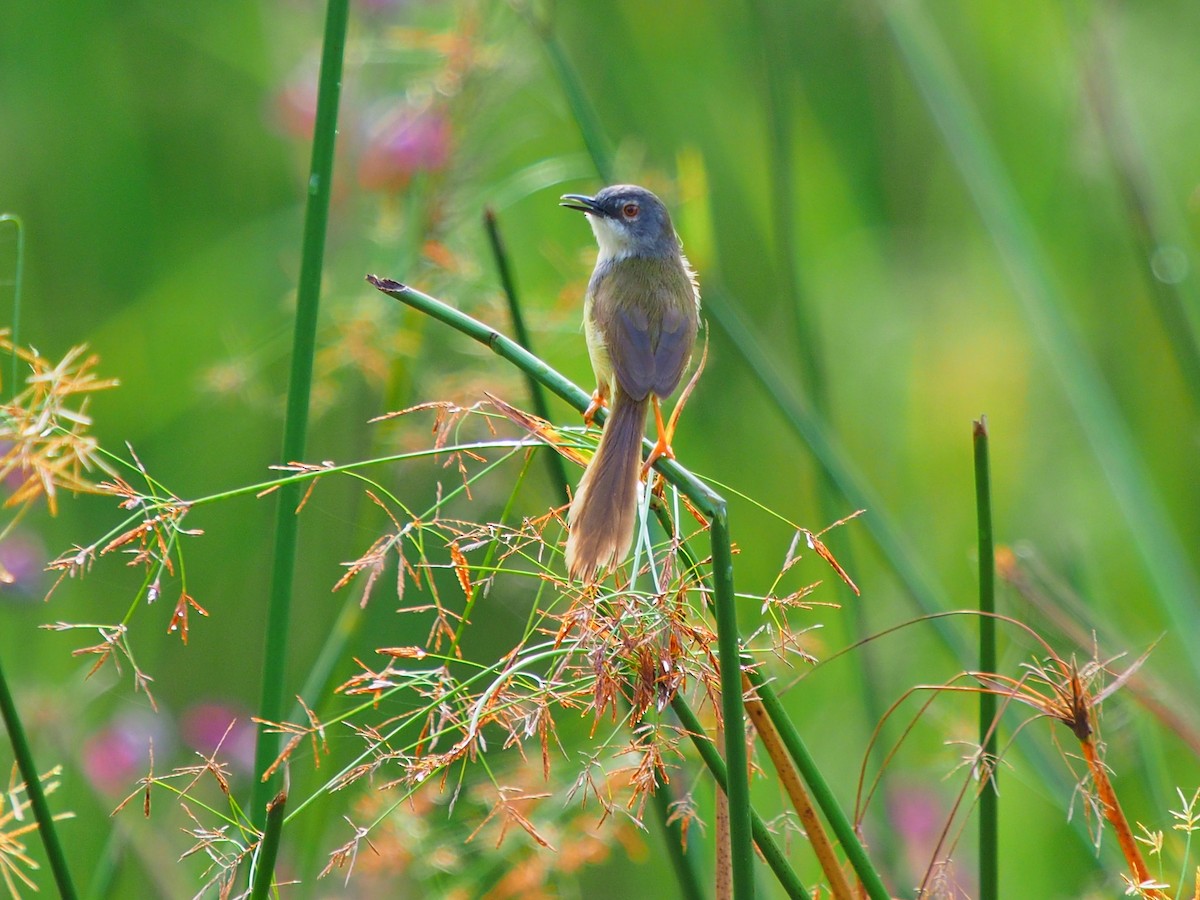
683	862
308	297
821	791
989	798
18	281
763	838
1167	563
264	865
706	500
55	855
537	394
789	780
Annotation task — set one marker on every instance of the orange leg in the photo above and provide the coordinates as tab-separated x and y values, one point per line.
662	446
599	400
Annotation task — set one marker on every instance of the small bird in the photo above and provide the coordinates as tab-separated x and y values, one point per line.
640	318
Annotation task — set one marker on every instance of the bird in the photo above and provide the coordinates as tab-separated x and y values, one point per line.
641	314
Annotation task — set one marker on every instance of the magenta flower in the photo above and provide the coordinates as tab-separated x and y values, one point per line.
402	144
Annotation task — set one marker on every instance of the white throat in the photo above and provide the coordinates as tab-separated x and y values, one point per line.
612	239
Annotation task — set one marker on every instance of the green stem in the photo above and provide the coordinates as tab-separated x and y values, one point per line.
264	866
762	836
554	461
989	858
33	790
299	390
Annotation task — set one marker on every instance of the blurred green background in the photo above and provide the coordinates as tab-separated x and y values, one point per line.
913	214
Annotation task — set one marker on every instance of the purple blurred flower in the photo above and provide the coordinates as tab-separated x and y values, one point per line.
22	561
116	756
208	725
404	143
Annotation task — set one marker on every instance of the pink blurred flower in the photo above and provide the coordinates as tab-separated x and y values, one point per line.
404	143
296	103
22	559
116	756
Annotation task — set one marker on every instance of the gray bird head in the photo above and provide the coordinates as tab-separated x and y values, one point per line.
628	221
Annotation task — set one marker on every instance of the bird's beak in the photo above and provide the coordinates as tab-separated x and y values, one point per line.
581	202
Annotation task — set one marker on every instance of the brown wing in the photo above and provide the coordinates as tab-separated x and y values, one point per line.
649	331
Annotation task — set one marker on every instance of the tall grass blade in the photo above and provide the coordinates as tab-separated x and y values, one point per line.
989	800
264	863
1167	562
33	790
316	217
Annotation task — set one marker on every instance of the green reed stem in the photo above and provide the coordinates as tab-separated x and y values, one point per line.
264	865
537	394
316	217
989	858
33	789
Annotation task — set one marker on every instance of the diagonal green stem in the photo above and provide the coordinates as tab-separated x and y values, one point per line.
33	789
836	464
316	218
989	858
581	108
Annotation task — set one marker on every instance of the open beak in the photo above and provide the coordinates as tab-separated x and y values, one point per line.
581	202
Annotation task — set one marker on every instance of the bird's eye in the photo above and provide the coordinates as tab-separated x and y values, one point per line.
630	210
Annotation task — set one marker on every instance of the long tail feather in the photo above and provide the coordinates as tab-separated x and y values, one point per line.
604	511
